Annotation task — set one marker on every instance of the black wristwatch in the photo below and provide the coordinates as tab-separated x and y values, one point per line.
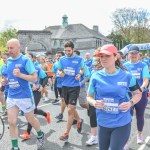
132	103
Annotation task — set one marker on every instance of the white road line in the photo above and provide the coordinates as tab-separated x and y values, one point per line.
43	105
143	145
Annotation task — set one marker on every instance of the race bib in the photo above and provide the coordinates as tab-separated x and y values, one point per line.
13	84
69	71
111	105
136	74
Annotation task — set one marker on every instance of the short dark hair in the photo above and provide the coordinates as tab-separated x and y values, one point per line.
69	44
77	52
60	52
31	54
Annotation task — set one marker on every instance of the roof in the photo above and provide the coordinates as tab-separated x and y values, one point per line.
74	31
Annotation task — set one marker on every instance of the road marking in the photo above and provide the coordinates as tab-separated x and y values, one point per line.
146	141
43	105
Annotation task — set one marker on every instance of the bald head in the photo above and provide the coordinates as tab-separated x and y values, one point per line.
13	46
87	56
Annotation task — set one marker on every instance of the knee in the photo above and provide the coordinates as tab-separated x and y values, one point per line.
71	110
84	105
12	122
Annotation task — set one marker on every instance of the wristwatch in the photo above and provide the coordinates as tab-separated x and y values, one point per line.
132	103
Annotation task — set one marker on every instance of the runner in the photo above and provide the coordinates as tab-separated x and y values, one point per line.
70	68
37	88
21	71
110	86
140	70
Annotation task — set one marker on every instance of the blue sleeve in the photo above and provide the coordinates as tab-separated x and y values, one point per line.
132	81
91	89
86	71
145	72
29	67
42	74
82	64
54	68
59	65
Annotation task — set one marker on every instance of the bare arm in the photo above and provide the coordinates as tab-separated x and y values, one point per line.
125	106
31	78
99	104
145	83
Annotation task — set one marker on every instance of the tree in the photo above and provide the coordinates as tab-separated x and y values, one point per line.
5	36
132	24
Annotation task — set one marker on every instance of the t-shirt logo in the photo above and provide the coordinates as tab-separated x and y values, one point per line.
122	83
75	62
18	65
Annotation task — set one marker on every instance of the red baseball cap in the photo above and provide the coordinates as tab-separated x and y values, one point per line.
108	50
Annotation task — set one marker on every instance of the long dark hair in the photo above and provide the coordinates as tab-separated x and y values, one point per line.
119	64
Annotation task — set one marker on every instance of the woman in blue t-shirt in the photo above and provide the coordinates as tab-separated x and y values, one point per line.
108	93
140	70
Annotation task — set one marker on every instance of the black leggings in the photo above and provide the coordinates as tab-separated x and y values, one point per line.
115	138
92	115
55	89
37	97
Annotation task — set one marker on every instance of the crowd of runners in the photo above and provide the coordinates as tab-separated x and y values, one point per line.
109	85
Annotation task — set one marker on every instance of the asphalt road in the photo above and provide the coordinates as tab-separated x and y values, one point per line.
76	140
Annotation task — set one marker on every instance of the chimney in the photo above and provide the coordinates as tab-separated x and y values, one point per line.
95	28
65	21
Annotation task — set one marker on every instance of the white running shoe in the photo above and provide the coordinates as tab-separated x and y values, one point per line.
126	147
140	139
46	99
92	140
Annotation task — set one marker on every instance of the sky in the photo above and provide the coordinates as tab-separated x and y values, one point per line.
38	14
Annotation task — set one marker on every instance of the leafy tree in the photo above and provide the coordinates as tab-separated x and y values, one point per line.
132	24
5	36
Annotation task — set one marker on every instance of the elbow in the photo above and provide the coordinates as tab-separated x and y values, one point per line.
34	78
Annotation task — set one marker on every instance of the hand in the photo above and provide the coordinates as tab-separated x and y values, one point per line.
34	87
78	76
40	89
4	81
61	73
99	104
125	106
16	72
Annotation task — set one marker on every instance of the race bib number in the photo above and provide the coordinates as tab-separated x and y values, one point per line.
69	71
111	106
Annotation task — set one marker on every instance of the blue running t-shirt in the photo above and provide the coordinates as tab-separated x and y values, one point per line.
18	87
139	70
71	67
113	89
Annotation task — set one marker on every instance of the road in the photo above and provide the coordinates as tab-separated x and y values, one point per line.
76	140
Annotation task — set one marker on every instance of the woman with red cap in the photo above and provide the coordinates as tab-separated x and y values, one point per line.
108	93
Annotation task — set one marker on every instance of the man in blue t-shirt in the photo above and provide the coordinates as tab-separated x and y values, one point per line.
70	67
21	71
88	60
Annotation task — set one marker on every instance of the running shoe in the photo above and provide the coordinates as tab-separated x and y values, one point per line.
48	118
56	101
46	99
126	147
92	140
79	126
25	135
59	116
40	141
64	137
140	139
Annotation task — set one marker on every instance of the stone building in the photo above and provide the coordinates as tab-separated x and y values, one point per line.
52	38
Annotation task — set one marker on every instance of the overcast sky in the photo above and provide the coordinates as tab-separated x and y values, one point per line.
36	14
